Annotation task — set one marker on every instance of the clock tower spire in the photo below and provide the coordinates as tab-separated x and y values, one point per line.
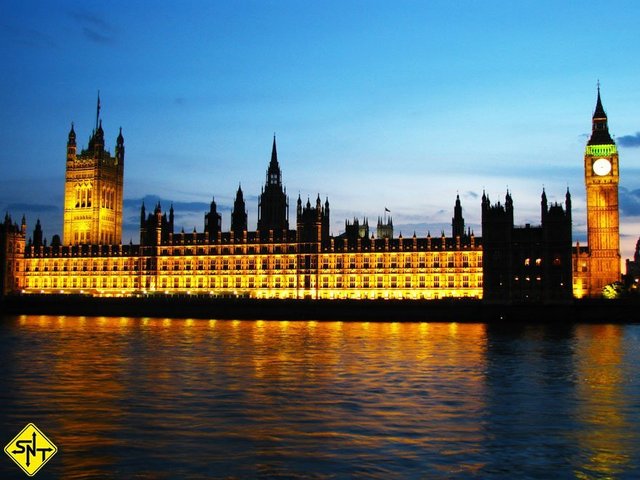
601	176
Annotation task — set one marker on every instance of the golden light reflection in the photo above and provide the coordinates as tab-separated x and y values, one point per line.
453	329
424	328
418	385
599	390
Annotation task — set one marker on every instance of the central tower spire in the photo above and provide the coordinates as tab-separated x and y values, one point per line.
273	206
274	175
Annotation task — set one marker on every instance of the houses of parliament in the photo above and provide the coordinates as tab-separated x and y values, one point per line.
287	258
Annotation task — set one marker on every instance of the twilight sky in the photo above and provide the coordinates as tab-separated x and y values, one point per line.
397	104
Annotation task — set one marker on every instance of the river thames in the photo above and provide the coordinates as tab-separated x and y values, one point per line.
155	398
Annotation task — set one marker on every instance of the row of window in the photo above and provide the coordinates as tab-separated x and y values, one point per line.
239	282
84	196
83	282
224	250
260	263
81	266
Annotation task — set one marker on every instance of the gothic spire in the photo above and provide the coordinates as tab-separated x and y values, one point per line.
599	111
239	215
274	152
600	128
72	135
274	175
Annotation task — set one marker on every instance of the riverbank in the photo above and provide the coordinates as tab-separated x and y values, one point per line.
446	310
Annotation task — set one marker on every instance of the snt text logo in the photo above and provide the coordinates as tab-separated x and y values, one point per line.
30	449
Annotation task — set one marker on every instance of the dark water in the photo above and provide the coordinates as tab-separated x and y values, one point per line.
159	398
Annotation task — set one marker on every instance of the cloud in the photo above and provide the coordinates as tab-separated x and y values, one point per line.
630	141
32	207
96	37
178	206
94	27
421	229
629	202
28	37
471	194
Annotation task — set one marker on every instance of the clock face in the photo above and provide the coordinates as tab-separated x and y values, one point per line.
601	167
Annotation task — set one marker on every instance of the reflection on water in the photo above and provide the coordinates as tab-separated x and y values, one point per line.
604	405
166	398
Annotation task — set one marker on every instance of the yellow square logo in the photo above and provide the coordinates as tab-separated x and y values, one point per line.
30	449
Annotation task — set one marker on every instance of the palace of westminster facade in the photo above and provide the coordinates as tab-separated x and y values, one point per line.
281	260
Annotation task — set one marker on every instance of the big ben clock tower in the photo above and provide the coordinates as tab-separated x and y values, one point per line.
601	176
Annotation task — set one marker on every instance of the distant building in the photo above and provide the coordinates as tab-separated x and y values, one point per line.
529	263
633	267
12	250
355	229
384	228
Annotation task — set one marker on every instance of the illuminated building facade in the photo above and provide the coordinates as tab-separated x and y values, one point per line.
302	263
273	261
599	264
93	190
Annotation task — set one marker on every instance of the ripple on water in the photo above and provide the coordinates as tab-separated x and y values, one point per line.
163	398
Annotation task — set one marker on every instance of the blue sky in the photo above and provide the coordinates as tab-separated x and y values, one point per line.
395	104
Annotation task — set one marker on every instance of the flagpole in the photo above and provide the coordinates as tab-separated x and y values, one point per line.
98	111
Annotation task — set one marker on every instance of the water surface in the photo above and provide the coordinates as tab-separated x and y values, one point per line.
166	398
